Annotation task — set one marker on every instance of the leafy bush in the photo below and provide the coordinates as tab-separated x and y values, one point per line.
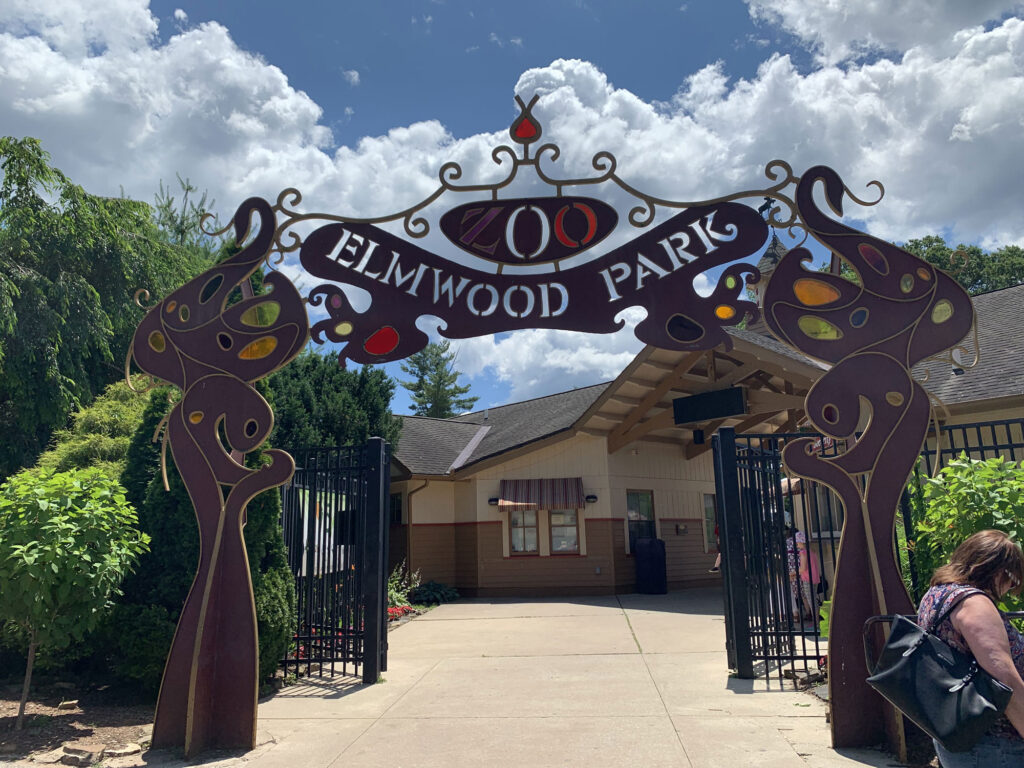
100	434
433	592
967	496
67	539
400	582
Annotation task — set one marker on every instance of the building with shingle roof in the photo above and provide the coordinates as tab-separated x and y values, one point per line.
548	495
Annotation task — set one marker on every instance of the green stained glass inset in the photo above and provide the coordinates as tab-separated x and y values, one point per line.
262	315
818	328
907	283
730	282
942	311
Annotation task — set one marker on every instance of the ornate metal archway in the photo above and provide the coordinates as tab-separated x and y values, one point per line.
527	268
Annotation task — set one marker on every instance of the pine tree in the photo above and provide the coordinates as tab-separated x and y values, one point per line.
434	387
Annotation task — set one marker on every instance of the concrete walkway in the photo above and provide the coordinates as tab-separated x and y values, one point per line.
607	681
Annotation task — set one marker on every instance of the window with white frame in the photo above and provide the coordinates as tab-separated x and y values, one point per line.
523	532
565	531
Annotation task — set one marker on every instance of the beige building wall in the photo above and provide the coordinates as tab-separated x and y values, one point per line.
679	486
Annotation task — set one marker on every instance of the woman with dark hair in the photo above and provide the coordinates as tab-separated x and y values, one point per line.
983	568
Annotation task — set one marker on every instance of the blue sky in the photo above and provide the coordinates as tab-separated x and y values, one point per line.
452	60
359	104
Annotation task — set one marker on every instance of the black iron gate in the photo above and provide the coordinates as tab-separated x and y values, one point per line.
334	516
780	538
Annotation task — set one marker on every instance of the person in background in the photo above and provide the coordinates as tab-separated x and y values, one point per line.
984	568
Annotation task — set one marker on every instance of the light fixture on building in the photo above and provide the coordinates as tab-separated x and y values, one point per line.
493	501
590	498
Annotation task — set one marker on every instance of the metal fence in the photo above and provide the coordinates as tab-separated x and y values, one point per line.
781	536
334	515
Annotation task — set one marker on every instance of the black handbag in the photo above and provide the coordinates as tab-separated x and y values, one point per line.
941	689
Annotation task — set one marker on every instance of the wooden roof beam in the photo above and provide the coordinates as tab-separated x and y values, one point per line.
655	395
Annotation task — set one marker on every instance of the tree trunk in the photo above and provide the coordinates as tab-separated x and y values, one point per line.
28	681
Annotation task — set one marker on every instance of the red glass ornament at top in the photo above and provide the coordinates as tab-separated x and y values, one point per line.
526	130
382	342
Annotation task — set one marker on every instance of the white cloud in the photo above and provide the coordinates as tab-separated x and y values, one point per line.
516	41
839	29
351	76
180	15
493	37
941	127
538	362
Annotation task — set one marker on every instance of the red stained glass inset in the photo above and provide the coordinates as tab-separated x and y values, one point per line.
526	130
874	258
382	342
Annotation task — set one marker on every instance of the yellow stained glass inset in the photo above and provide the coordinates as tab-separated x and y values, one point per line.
907	283
942	311
724	312
894	398
343	328
262	315
195	417
157	342
818	328
814	293
259	348
924	274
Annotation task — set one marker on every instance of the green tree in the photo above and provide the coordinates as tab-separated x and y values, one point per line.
70	263
967	496
434	387
978	271
317	403
67	540
100	433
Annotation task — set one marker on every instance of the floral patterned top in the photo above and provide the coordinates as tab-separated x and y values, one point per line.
946	631
796	540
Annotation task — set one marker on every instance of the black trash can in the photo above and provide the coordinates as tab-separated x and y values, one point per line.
650	567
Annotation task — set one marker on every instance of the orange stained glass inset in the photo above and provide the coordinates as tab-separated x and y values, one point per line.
819	329
924	274
724	312
814	293
262	315
195	417
171	305
259	348
942	311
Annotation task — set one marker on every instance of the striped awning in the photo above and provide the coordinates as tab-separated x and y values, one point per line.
551	493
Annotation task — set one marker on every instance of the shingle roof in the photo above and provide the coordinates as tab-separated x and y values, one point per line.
1000	370
430	446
